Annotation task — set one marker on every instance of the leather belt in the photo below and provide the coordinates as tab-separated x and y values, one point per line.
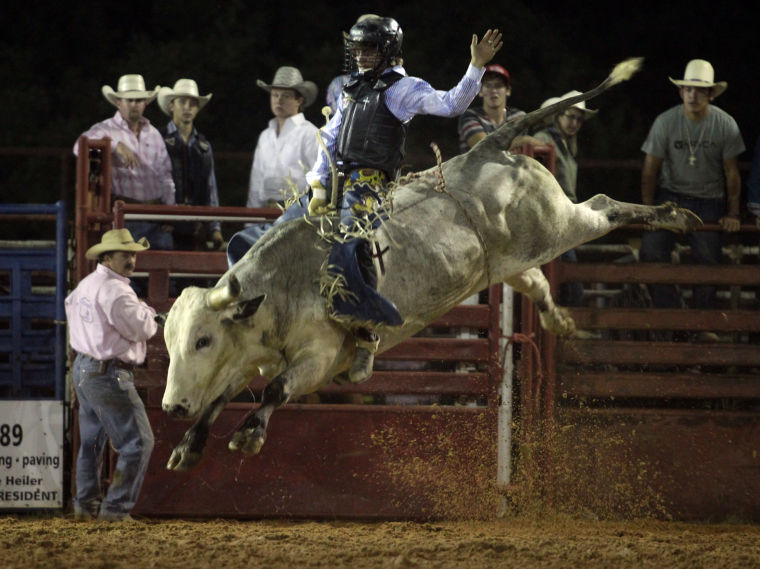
103	365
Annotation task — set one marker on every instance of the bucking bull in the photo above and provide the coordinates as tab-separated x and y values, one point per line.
481	218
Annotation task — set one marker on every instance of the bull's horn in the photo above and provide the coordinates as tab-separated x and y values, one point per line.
221	297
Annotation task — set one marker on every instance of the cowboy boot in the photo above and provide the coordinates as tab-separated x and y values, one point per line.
364	356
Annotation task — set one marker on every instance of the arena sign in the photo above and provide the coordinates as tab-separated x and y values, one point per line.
31	455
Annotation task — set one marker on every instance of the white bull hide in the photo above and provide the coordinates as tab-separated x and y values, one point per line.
485	217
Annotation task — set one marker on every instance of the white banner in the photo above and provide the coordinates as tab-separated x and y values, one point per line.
31	454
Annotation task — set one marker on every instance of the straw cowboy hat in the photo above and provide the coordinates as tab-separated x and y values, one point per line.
116	240
290	78
130	87
182	88
699	73
587	113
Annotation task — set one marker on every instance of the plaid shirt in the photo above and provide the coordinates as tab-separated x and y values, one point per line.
152	178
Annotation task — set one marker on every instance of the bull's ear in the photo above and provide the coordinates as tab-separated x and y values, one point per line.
248	308
160	319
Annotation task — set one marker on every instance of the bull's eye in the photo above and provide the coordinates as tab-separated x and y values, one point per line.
202	342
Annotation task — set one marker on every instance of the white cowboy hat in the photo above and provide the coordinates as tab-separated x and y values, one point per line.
116	240
587	113
550	101
700	73
182	88
291	78
130	87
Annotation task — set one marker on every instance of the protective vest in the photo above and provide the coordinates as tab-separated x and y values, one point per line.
191	167
370	136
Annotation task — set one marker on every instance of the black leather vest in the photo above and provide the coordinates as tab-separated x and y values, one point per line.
191	167
370	136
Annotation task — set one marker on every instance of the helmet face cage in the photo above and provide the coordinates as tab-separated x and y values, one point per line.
384	33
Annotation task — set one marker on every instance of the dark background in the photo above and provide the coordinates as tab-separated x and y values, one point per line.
57	56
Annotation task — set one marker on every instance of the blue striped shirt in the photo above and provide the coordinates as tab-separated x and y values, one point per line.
406	98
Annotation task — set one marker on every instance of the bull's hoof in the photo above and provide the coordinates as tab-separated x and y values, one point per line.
673	218
248	441
183	459
558	321
689	220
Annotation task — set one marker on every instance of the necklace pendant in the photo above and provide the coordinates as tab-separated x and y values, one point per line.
692	160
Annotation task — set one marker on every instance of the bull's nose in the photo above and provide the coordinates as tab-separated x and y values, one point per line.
179	411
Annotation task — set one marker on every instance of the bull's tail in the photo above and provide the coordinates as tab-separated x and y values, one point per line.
502	137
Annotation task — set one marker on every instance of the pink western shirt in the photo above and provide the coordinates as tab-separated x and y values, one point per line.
152	178
107	320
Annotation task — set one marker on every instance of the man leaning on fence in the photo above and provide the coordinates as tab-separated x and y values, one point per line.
141	171
108	329
692	160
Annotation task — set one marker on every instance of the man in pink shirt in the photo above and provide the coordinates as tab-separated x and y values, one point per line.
108	328
141	171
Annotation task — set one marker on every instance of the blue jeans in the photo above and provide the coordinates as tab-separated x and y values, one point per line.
243	240
570	293
158	238
706	248
239	243
356	195
109	408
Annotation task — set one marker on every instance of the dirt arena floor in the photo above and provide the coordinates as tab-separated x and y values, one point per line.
561	542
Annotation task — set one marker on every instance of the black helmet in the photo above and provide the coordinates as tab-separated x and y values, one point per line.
385	33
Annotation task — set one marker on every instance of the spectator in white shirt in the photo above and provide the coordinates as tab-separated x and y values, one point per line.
288	146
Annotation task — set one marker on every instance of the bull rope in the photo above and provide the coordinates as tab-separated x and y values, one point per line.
519	338
441	188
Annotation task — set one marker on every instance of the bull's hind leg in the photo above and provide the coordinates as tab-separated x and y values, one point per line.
665	216
534	284
584	222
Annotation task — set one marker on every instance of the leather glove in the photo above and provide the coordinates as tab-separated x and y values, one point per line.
318	204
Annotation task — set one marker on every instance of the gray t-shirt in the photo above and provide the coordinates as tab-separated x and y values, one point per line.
693	152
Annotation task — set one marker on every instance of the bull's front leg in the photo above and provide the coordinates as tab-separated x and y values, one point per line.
189	452
534	284
302	377
252	434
